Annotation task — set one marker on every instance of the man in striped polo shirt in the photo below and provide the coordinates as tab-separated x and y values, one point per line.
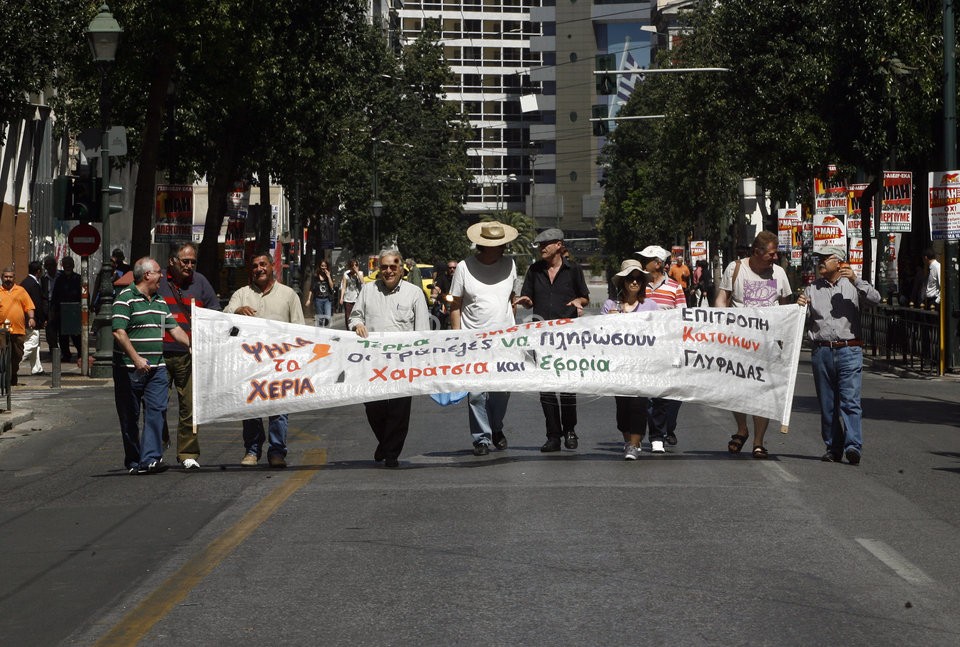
140	316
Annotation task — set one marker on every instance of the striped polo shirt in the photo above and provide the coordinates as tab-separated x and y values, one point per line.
144	318
668	294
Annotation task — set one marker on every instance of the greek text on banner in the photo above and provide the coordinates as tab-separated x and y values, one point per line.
739	359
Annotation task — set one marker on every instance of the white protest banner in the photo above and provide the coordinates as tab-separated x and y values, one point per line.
741	359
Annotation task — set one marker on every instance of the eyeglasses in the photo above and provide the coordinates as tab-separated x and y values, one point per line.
187	261
633	278
451	267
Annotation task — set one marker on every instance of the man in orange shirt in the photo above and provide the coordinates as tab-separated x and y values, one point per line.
16	312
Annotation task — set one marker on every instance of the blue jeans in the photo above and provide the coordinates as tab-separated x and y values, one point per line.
486	415
837	376
129	388
253	435
323	309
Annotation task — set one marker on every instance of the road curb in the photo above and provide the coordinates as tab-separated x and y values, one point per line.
14	417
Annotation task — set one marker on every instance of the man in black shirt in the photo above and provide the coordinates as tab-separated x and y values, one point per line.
556	289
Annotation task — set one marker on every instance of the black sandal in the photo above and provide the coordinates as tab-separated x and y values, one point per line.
736	443
759	451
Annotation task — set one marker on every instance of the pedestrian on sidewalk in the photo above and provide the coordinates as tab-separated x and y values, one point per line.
555	288
321	294
482	291
833	303
265	298
140	318
16	314
181	287
755	281
67	289
389	304
350	285
31	345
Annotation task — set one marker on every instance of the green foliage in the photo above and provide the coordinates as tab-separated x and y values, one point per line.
36	35
810	84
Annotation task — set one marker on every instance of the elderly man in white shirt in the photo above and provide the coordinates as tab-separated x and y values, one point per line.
389	304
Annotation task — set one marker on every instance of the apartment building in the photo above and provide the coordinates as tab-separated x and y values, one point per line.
523	74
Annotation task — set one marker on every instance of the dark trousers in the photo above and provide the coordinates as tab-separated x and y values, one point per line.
560	412
632	414
390	421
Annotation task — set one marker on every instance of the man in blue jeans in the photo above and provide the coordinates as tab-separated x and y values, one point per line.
267	299
140	317
482	291
833	322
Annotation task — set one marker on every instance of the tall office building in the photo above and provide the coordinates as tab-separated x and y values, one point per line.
523	75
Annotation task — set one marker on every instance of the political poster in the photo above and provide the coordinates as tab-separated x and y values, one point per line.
855	217
789	221
830	195
174	214
896	205
944	205
238	208
699	251
742	359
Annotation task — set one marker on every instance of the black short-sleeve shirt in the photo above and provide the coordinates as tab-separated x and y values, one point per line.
550	299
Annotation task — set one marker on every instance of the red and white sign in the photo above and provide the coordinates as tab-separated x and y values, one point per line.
896	207
944	205
84	239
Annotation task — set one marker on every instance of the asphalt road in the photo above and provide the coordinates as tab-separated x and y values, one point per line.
517	548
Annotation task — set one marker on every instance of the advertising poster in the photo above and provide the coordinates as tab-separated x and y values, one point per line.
677	251
944	205
896	207
238	208
174	213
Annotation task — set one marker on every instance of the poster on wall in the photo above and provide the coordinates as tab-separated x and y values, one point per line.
828	230
174	223
238	208
855	217
896	206
944	205
788	228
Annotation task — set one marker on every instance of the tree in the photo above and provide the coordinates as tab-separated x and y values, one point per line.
808	86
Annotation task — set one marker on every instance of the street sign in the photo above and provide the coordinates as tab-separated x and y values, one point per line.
84	239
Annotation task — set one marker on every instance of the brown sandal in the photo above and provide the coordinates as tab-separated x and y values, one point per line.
759	451
736	443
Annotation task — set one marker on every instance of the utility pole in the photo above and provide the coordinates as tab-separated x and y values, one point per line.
950	305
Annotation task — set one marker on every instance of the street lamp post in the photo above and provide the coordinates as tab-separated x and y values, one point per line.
103	34
376	210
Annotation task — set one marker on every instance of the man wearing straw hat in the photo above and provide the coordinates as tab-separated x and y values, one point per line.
482	291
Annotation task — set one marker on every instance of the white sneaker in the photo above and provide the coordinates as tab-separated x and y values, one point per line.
656	447
191	464
631	453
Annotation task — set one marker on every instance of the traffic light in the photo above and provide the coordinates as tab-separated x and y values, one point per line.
606	82
96	188
82	200
62	197
601	128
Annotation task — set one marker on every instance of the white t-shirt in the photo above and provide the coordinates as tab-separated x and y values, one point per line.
485	292
755	290
933	282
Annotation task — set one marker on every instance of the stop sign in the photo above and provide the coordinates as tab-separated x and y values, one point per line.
84	239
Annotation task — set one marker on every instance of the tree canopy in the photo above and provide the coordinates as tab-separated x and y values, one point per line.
809	84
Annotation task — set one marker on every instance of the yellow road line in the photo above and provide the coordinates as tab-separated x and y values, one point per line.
135	625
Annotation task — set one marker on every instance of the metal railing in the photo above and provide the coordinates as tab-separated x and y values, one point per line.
903	336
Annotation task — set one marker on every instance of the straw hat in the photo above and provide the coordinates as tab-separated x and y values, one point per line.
627	268
491	234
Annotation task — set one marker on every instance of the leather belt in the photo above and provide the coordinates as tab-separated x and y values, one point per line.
843	343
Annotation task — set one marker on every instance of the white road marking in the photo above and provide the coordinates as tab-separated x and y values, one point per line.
780	472
900	565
